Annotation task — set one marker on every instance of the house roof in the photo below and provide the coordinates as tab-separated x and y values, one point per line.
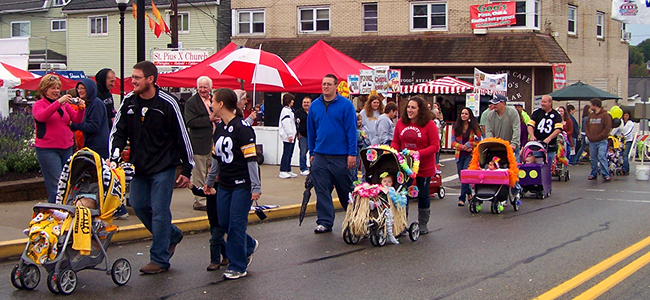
103	4
450	49
19	5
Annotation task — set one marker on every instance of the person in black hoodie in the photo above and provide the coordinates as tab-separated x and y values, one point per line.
95	123
105	80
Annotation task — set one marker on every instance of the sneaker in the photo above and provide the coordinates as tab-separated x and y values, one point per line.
293	175
232	274
152	268
249	259
321	229
284	175
304	173
123	216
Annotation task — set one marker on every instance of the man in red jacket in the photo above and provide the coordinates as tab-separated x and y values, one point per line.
598	127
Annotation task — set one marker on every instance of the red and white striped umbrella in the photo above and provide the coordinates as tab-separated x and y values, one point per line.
258	67
444	85
13	76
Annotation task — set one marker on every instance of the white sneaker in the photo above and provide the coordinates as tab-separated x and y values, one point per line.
284	175
304	173
292	174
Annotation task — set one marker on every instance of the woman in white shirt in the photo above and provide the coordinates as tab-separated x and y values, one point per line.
371	112
287	132
627	130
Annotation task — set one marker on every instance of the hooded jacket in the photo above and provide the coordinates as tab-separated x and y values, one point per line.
95	123
598	126
105	95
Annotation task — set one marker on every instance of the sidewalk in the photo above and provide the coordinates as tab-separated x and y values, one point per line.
286	193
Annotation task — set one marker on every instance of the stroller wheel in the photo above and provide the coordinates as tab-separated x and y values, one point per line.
347	236
51	283
381	237
374	237
496	207
441	193
15	278
568	176
121	271
414	231
67	281
30	276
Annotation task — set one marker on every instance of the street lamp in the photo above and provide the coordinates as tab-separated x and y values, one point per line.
121	5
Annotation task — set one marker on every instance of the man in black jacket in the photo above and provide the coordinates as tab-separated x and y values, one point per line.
152	121
199	121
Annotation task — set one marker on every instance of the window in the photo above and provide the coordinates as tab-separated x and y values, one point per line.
250	22
58	2
429	15
183	22
370	17
57	25
314	19
526	13
600	23
20	29
573	15
98	25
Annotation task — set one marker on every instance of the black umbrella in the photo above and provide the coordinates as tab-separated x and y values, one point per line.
309	184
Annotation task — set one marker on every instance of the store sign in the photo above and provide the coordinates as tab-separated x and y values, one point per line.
366	81
493	14
353	84
559	76
631	11
173	57
381	79
394	81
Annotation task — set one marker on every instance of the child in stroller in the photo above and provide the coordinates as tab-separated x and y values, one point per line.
560	166
615	147
73	234
535	172
379	211
493	172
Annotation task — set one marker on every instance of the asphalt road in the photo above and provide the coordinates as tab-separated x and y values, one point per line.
514	255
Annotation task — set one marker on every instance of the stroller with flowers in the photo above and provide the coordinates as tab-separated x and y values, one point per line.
493	172
561	164
73	234
377	208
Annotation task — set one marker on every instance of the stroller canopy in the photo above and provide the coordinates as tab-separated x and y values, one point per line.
489	148
536	148
379	159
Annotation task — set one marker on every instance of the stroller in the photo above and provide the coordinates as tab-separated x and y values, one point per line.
615	150
561	164
492	185
376	211
57	229
535	177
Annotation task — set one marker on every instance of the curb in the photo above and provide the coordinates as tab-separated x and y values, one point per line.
14	248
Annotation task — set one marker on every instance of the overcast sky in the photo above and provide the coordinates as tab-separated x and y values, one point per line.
639	33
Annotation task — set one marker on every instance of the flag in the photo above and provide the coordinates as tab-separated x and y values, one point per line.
156	13
135	11
154	26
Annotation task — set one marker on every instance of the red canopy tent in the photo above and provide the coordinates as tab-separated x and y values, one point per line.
444	85
187	77
317	61
13	76
32	84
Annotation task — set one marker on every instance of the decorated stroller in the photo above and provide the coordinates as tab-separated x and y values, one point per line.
535	177
65	238
380	212
615	147
492	185
560	167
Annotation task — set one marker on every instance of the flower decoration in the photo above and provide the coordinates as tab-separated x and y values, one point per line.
400	178
415	155
367	190
413	191
398	198
371	155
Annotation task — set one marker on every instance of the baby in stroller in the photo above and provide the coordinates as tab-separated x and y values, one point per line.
73	234
535	173
615	150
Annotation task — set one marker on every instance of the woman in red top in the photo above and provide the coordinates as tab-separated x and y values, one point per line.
416	131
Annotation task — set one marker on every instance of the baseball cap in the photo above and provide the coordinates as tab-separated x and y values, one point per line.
519	104
498	98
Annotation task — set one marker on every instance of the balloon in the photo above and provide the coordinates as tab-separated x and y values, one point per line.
616	123
616	112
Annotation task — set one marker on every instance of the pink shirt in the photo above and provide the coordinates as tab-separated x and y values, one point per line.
52	128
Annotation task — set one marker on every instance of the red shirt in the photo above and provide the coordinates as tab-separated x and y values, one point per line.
423	139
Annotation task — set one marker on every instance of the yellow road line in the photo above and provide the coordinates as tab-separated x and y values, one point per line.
593	271
615	278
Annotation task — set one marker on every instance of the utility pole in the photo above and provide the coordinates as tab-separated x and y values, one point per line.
140	31
173	23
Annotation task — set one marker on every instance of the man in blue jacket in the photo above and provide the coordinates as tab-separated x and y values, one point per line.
95	123
332	139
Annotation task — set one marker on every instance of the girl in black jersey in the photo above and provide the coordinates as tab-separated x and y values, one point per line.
239	181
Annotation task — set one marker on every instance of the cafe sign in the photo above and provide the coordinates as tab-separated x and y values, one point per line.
492	14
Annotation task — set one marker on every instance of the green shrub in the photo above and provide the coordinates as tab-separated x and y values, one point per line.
3	168
23	161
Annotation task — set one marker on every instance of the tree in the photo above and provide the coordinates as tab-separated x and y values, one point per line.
639	56
644	47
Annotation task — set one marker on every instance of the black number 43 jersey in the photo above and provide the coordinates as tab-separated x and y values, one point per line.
234	147
545	123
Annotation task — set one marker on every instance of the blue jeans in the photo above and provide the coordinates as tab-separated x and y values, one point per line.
52	161
626	154
576	158
551	157
462	164
304	148
233	208
598	153
330	172
217	243
150	198
287	152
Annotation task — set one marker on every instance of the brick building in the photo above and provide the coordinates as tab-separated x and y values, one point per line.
431	39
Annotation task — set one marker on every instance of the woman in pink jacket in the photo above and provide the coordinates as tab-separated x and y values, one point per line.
54	139
415	131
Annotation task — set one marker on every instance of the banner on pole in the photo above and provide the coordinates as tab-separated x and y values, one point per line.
493	14
394	81
631	11
366	81
490	83
353	84
381	79
559	76
472	102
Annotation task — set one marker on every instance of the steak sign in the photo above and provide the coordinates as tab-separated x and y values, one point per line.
493	14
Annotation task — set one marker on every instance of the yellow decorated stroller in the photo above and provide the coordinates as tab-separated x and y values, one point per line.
73	234
380	212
